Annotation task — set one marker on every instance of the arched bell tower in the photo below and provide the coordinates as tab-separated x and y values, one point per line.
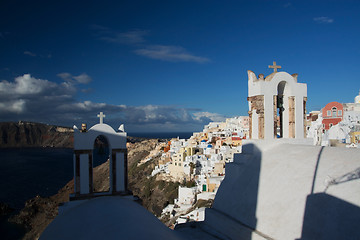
83	160
277	105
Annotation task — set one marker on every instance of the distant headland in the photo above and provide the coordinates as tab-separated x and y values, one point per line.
30	134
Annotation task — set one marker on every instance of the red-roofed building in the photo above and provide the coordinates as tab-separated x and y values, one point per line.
332	114
235	141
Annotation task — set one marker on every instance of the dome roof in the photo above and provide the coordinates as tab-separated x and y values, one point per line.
357	98
102	127
107	218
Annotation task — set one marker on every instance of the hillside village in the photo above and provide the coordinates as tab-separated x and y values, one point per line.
199	162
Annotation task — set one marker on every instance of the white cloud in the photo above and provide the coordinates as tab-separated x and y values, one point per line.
170	53
15	106
323	20
81	106
29	95
30	99
30	53
214	117
25	85
65	76
82	78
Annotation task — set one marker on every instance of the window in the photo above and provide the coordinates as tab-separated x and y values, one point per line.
330	125
180	164
328	113
339	113
334	112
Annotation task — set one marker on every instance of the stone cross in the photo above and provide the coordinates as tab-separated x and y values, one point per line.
101	116
274	66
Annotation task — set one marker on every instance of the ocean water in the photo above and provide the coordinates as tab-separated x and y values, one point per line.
27	172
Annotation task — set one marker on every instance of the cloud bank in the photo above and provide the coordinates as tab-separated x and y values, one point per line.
31	99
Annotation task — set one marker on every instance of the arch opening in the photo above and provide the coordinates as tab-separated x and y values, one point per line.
281	91
101	164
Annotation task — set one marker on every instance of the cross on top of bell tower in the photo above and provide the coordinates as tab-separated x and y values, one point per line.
101	116
274	66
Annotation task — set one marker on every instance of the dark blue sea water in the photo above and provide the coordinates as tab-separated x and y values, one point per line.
27	172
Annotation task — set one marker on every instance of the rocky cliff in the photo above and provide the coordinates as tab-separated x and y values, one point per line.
28	134
155	195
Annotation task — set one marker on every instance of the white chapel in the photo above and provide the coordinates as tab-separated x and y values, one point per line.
277	105
83	160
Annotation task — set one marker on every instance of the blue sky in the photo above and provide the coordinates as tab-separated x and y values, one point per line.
168	65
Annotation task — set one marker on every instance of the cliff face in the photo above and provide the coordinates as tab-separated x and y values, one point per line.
27	134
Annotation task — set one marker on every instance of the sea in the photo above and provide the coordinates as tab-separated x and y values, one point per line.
28	172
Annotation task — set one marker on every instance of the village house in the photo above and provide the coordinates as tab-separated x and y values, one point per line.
335	125
332	114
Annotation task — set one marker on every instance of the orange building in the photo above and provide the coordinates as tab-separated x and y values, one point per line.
167	148
236	141
332	114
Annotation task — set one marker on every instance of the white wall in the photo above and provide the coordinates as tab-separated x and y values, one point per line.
268	89
270	189
268	117
120	183
255	125
85	141
84	174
